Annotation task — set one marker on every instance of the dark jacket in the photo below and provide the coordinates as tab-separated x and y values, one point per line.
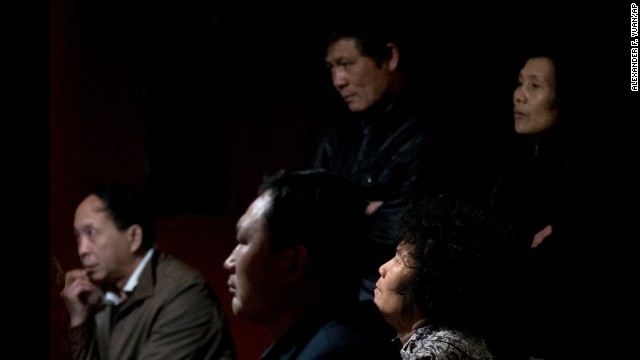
391	156
347	331
550	182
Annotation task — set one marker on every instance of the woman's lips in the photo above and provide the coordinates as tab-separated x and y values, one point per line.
518	115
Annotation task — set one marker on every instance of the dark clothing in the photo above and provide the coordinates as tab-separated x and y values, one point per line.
171	314
391	156
345	331
539	185
547	183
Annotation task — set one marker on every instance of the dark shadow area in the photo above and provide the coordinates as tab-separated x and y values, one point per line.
197	102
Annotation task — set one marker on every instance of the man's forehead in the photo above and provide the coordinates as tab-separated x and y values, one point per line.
91	213
255	210
93	204
343	47
261	203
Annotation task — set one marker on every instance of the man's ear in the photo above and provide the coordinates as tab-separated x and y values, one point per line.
297	262
134	235
394	56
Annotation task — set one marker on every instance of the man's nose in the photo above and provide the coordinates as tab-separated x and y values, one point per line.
339	78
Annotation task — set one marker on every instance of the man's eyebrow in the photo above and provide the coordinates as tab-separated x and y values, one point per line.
85	227
241	230
336	59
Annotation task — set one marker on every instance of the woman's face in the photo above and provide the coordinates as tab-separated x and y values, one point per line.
393	274
534	99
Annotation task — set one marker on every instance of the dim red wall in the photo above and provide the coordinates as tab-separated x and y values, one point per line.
97	133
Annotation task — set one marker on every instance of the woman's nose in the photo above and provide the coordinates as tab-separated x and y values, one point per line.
518	95
382	269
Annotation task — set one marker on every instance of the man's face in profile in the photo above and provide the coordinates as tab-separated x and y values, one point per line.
360	82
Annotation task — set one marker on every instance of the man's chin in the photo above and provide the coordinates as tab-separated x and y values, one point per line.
236	307
96	277
356	108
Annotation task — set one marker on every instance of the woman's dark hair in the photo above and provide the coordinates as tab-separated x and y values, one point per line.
455	251
572	76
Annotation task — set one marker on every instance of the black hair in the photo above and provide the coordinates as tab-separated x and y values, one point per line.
372	33
571	71
456	251
326	215
126	206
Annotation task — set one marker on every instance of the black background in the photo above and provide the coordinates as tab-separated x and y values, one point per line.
206	71
203	67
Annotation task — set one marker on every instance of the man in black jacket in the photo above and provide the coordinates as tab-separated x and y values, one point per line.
386	145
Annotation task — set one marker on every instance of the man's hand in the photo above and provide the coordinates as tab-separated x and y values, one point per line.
541	235
79	295
373	206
